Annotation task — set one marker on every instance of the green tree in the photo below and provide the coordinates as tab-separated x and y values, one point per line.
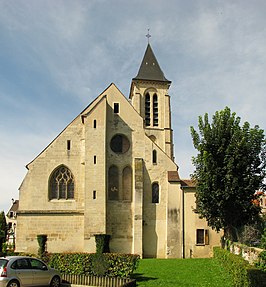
3	229
229	168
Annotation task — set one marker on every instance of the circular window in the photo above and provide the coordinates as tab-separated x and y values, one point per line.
119	144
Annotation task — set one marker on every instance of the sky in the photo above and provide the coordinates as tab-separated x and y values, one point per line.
57	56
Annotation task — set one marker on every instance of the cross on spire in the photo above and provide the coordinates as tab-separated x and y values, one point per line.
148	36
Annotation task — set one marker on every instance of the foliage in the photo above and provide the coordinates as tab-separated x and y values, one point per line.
102	243
3	229
42	239
243	274
262	261
200	272
251	234
100	265
8	248
263	239
108	264
229	168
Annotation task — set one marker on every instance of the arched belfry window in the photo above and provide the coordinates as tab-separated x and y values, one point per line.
113	183
155	110
147	109
155	192
61	184
127	183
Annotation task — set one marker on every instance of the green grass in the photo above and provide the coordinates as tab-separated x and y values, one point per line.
181	272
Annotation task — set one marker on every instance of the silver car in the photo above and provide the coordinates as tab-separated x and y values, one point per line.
19	271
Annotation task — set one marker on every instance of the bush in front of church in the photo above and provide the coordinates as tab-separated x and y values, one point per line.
110	264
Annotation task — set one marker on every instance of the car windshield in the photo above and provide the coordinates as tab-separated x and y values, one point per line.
3	263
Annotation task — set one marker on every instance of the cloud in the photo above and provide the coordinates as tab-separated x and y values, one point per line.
57	56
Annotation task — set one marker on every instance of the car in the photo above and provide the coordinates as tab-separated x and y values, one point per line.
20	271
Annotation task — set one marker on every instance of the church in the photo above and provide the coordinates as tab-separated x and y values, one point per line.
112	171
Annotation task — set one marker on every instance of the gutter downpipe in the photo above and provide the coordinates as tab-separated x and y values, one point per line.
183	223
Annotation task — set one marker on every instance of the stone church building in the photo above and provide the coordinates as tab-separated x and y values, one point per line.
112	171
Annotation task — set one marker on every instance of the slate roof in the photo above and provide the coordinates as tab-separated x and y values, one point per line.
150	68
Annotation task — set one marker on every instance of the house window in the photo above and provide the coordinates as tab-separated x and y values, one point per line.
116	108
127	183
119	144
68	144
147	110
155	110
113	183
94	124
155	192
202	237
61	184
154	156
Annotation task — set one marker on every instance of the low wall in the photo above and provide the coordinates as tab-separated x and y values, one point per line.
251	254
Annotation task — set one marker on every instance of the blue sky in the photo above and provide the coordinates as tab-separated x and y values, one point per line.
57	56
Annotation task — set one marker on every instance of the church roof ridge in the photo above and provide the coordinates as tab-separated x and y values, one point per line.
150	68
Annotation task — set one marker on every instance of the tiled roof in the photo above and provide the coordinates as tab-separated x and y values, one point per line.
150	69
173	176
188	183
14	206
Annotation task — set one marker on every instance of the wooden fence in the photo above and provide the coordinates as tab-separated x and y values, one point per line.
98	281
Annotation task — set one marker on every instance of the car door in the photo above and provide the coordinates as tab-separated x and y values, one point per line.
40	272
23	271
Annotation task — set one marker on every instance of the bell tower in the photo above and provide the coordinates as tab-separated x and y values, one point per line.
149	96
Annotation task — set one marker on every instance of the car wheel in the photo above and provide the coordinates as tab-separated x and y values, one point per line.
13	283
55	282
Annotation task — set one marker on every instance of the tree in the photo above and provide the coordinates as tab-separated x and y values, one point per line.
229	168
3	229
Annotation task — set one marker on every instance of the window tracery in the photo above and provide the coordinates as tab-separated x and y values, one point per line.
61	184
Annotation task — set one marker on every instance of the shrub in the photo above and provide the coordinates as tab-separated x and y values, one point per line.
262	261
243	274
263	239
106	264
99	265
235	265
42	239
102	243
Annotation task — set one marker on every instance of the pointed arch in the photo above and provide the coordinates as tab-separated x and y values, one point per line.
127	183
155	192
113	183
61	183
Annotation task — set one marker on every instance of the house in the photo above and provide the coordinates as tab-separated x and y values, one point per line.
112	171
11	220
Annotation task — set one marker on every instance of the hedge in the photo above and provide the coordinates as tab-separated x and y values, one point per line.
243	274
106	264
261	264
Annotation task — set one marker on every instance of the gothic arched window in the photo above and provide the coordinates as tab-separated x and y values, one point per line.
61	184
147	110
127	183
113	183
155	192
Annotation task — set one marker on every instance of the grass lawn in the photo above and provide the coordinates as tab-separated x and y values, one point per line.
181	272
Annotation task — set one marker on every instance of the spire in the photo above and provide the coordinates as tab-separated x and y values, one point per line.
149	68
